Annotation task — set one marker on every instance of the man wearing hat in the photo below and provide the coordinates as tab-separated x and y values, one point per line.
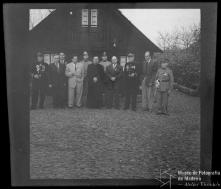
85	63
40	73
58	82
104	62
131	75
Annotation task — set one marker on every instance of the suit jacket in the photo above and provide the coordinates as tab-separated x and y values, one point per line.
75	73
116	72
85	65
149	71
57	76
131	77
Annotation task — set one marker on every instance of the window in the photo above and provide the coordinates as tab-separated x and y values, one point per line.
94	17
84	17
89	17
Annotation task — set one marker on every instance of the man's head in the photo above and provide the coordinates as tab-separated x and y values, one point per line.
75	58
165	63
114	59
104	56
40	57
56	58
85	55
95	59
147	55
130	57
62	56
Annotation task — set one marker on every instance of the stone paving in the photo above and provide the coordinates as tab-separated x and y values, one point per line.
85	143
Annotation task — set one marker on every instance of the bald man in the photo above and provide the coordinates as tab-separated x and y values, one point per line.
114	73
58	82
147	82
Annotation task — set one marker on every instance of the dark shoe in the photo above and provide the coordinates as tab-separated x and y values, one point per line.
126	108
134	109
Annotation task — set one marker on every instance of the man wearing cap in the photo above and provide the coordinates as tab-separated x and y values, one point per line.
114	74
149	70
40	75
131	75
85	63
95	74
64	62
104	62
75	73
58	82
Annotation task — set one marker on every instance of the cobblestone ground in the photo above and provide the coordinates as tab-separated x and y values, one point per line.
85	143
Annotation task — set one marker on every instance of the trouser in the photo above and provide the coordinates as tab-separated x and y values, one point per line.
38	90
162	101
105	96
130	98
147	95
75	91
85	92
113	96
58	97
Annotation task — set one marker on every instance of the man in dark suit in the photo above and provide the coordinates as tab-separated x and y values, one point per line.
114	75
131	81
58	82
149	70
64	62
39	73
95	74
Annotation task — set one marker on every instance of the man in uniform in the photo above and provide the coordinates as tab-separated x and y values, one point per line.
64	62
104	62
75	73
164	84
131	79
85	63
95	74
149	70
58	82
39	73
114	74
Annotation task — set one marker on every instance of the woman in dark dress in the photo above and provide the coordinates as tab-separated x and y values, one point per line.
95	73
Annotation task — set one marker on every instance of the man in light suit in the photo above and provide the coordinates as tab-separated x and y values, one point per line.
85	63
75	73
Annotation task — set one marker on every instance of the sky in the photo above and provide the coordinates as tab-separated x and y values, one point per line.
152	21
149	21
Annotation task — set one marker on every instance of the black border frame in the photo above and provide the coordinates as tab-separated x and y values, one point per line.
17	73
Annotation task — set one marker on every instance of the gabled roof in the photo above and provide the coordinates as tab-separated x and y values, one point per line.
119	15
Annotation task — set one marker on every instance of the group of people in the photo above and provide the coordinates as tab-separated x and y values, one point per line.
97	84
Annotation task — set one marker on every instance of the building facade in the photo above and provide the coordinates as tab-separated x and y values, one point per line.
91	28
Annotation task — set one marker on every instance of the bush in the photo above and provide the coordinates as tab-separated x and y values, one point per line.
185	67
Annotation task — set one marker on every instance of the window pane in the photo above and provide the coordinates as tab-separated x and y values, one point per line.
84	17
93	17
